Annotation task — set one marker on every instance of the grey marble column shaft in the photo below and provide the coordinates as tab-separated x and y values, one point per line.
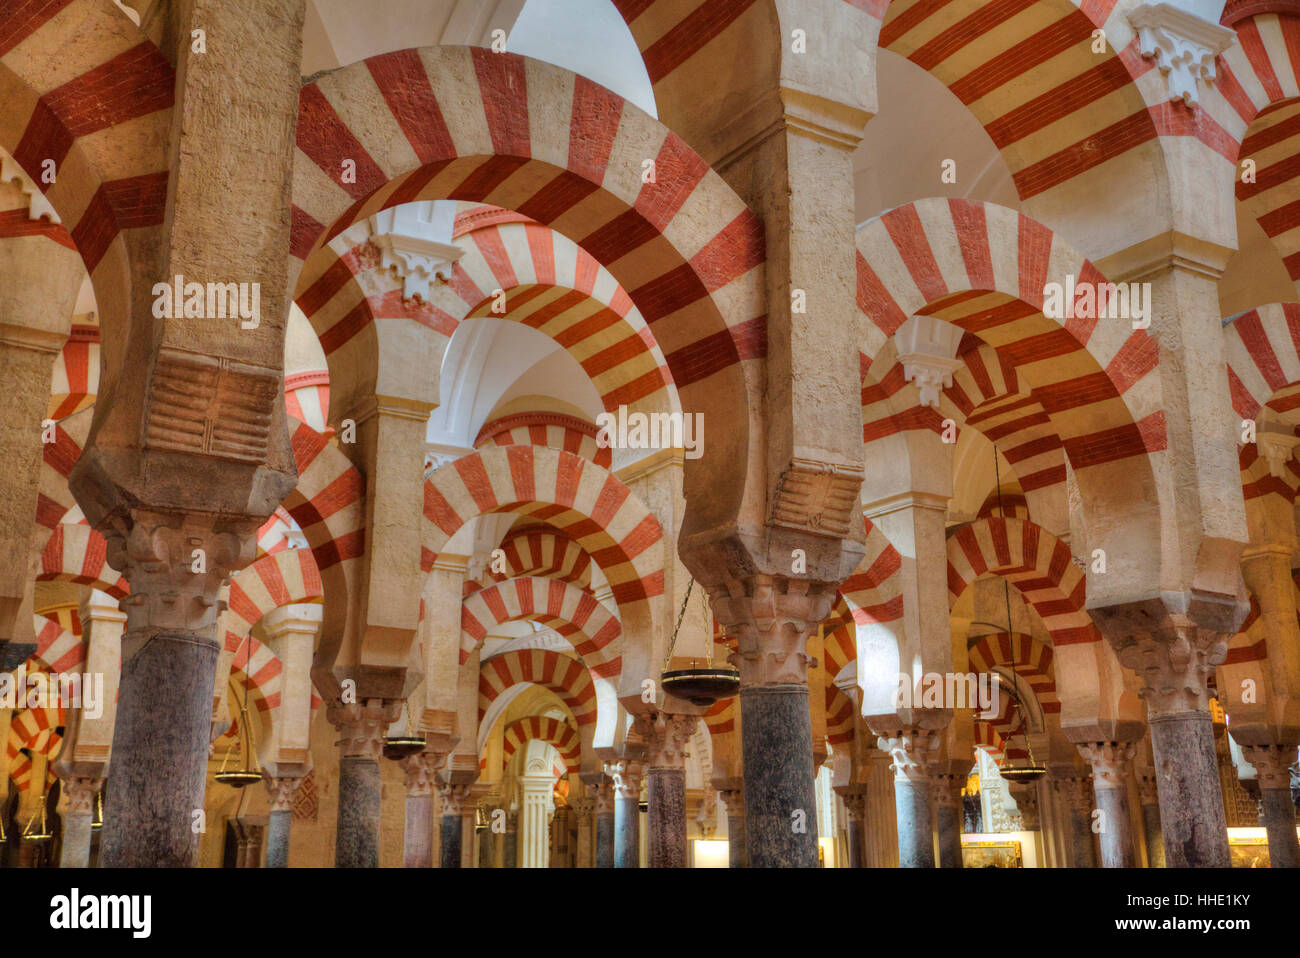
605	839
737	851
666	819
357	843
76	840
277	838
856	842
1191	802
1151	834
160	753
627	833
1277	815
1083	851
417	838
780	799
451	841
915	840
1116	835
948	822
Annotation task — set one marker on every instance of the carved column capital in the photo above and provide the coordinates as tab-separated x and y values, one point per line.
665	735
583	809
603	795
176	564
455	798
771	616
947	789
281	791
81	794
1272	764
361	727
910	751
627	778
1146	782
1075	789
734	799
420	770
1026	797
1110	762
1175	665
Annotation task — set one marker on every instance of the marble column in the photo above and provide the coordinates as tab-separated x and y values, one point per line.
1076	791
1276	810
562	838
946	791
665	736
584	813
453	799
281	791
604	797
81	794
417	836
1111	763
1151	834
361	739
855	806
1026	797
1174	659
510	841
627	814
737	856
910	750
771	616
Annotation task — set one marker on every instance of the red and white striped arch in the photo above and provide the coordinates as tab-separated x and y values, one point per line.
584	501
564	675
307	397
101	110
77	553
984	268
593	629
75	380
559	734
546	429
1030	659
1026	70
543	552
995	733
1038	564
1263	359
54	501
57	648
1259	82
873	592
468	124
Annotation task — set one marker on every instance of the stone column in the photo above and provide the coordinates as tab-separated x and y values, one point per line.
855	805
1276	810
453	799
487	842
584	812
1077	794
771	616
1026	796
947	788
281	815
417	838
1174	662
1111	763
665	735
1151	834
81	794
737	856
510	857
627	815
909	749
604	797
361	739
535	826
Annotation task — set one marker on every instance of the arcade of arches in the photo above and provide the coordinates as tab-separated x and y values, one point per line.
394	391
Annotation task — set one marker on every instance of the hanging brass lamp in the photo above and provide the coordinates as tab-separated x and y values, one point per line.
401	746
1032	772
699	686
248	773
42	833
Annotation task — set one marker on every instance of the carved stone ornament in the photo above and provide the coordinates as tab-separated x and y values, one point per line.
81	794
909	749
362	727
1183	45
1110	762
665	735
771	618
455	798
1272	764
627	778
818	497
282	791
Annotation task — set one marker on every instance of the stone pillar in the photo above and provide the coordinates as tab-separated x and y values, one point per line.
737	856
1174	662
946	788
1151	834
510	856
417	838
281	815
488	842
1111	763
665	735
1276	810
584	813
880	815
1076	792
1026	796
361	739
81	794
454	798
771	617
604	798
535	830
909	749
627	815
